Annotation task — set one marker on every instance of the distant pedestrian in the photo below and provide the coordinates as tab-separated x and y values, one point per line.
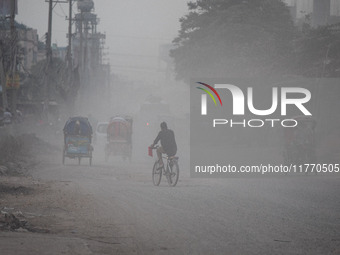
19	116
7	119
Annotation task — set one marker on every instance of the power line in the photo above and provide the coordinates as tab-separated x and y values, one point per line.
136	68
133	55
139	37
62	9
59	15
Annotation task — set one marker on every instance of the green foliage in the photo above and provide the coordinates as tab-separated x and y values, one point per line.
232	37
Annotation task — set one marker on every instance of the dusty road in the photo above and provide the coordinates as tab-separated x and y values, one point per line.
117	210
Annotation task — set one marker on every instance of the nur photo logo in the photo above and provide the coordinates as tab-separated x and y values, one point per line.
204	97
281	97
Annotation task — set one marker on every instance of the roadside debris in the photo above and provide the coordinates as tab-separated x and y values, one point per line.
11	220
17	154
15	190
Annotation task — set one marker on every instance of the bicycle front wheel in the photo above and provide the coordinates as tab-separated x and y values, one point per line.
173	175
156	174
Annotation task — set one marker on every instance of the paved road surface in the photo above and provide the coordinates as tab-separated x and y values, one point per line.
293	214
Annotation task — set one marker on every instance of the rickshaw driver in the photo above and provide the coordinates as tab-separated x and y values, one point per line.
168	143
77	130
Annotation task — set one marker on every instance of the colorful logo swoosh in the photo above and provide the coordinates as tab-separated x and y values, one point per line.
209	93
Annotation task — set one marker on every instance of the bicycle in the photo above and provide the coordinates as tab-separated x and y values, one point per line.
171	171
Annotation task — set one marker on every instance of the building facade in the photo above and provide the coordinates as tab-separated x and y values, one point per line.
315	12
28	43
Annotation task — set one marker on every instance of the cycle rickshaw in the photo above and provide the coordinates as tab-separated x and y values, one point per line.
119	137
77	139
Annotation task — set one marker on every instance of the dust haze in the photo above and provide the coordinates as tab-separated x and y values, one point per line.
137	63
141	83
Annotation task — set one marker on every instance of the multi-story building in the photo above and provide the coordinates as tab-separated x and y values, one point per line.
30	49
31	52
87	42
315	12
59	52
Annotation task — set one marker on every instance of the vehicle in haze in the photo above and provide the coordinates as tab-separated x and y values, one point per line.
119	137
100	134
77	139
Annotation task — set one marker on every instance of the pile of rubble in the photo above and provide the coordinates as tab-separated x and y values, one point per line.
13	220
17	154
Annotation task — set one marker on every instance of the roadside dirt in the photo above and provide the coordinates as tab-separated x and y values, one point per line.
42	207
38	217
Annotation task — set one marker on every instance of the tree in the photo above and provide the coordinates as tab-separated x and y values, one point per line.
8	57
317	52
11	56
62	87
232	37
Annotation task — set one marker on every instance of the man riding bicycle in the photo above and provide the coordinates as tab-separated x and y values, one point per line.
168	143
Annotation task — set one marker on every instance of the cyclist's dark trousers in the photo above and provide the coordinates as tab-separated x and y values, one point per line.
160	151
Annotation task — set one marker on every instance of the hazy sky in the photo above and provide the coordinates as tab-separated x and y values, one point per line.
134	28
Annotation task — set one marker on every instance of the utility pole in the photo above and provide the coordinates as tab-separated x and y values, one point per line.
3	81
12	71
85	48
48	60
70	79
81	53
69	49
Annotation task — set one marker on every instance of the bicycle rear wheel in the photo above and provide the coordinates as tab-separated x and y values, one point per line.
173	174
156	174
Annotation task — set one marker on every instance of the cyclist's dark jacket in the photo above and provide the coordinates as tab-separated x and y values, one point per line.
168	141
